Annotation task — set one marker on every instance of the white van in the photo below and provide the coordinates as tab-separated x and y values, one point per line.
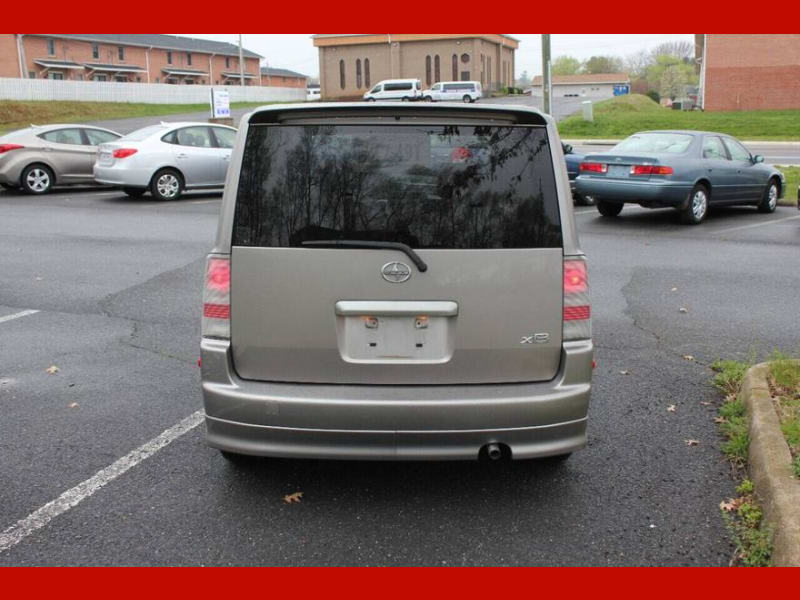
312	94
405	90
450	91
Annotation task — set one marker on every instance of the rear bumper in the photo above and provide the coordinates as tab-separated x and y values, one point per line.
122	176
648	193
395	422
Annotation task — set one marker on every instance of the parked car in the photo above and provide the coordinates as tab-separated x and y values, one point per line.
458	91
396	282
167	159
687	170
574	161
406	90
312	94
39	157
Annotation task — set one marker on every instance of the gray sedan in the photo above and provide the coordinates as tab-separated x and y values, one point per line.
687	170
38	158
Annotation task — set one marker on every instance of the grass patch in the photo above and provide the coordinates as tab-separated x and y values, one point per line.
729	374
621	116
785	388
731	419
743	518
16	114
792	175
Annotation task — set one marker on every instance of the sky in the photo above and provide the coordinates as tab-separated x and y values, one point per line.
295	51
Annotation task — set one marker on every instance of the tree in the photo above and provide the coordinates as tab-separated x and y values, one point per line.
524	80
674	81
636	64
681	49
603	64
663	62
565	65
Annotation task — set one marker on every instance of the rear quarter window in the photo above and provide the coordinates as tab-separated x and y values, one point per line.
465	187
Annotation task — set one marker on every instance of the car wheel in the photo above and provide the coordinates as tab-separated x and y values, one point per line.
167	184
608	209
370	99
37	179
697	207
134	192
406	98
466	99
770	200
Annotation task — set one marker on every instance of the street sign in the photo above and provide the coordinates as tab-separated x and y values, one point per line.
220	104
621	90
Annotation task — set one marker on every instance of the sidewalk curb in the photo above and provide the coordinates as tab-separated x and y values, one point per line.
769	466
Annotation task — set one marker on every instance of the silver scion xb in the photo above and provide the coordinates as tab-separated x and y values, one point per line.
167	159
39	157
396	282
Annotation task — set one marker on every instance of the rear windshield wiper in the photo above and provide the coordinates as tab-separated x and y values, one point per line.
415	258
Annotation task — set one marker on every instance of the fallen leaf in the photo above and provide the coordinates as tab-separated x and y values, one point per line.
289	498
688	357
624	372
719	419
727	506
74	405
706	403
683	310
672	408
674	289
52	370
692	442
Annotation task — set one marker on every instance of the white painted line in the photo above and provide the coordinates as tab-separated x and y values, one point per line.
586	212
202	201
755	225
72	497
23	313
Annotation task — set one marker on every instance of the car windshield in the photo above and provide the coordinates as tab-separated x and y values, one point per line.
15	134
144	133
426	186
669	143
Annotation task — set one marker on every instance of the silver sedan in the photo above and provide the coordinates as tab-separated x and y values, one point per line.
167	159
39	157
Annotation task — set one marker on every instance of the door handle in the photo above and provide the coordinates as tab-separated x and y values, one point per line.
183	155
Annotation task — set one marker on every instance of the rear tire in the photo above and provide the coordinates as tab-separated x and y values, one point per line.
406	98
697	206
166	184
37	179
770	200
608	209
134	192
467	99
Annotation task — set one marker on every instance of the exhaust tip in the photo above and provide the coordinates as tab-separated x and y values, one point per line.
494	452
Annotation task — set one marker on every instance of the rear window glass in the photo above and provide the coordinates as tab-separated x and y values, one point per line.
426	186
144	133
669	143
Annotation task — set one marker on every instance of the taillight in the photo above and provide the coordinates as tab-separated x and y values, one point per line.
217	298
9	147
651	170
593	167
123	152
577	308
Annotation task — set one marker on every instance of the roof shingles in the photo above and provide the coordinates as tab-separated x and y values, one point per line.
159	40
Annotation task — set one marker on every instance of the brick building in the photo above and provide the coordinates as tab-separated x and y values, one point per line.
749	71
351	64
142	58
283	78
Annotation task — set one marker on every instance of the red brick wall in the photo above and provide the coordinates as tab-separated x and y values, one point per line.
9	63
280	81
752	72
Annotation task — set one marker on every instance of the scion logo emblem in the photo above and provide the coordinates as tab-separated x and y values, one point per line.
396	272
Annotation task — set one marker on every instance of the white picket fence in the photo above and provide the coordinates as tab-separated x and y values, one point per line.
148	93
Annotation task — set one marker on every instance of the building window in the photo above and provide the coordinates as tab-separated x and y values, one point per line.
341	74
358	73
51	46
227	62
32	74
465	58
95	51
121	53
366	72
169	57
54	75
489	72
189	58
428	69
455	67
80	77
138	80
483	70
436	73
158	79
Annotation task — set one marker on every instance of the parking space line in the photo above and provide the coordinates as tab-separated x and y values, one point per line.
23	313
755	225
202	201
585	212
73	496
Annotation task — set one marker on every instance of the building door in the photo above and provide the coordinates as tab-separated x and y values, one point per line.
465	76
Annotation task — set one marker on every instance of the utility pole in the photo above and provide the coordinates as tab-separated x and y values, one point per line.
241	62
546	88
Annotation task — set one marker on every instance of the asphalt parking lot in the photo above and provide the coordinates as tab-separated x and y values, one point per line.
116	286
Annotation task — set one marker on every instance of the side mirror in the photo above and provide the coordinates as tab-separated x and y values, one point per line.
567	149
758	158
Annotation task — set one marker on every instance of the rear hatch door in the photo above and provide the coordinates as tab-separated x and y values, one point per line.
470	293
